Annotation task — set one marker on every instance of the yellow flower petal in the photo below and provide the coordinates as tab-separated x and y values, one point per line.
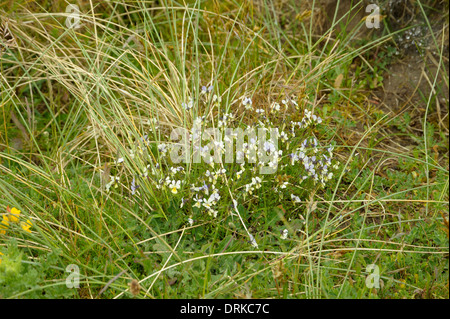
3	228
15	213
5	221
26	226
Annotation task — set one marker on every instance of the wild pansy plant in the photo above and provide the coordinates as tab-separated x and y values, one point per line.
200	168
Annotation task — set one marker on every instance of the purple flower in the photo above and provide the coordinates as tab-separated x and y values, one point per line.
134	187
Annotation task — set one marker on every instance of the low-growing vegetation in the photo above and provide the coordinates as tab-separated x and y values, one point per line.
223	149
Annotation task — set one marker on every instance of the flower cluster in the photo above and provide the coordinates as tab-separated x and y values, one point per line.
13	216
188	106
316	165
307	120
225	119
204	190
254	184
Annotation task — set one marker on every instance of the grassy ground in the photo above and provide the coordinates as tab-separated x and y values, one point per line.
85	181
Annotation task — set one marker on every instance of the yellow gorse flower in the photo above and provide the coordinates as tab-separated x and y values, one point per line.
5	220
4	225
26	226
14	215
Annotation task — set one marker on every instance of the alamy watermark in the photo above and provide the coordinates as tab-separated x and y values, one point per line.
373	279
73	20
373	19
73	280
227	145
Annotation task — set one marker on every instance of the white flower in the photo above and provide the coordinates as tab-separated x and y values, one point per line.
294	158
296	199
145	172
182	202
175	170
315	142
308	114
247	102
256	181
207	204
284	185
133	186
212	212
273	164
119	160
269	147
187	106
284	234
198	122
249	189
260	111
162	148
174	186
212	200
253	241
214	197
275	106
113	181
198	201
190	221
